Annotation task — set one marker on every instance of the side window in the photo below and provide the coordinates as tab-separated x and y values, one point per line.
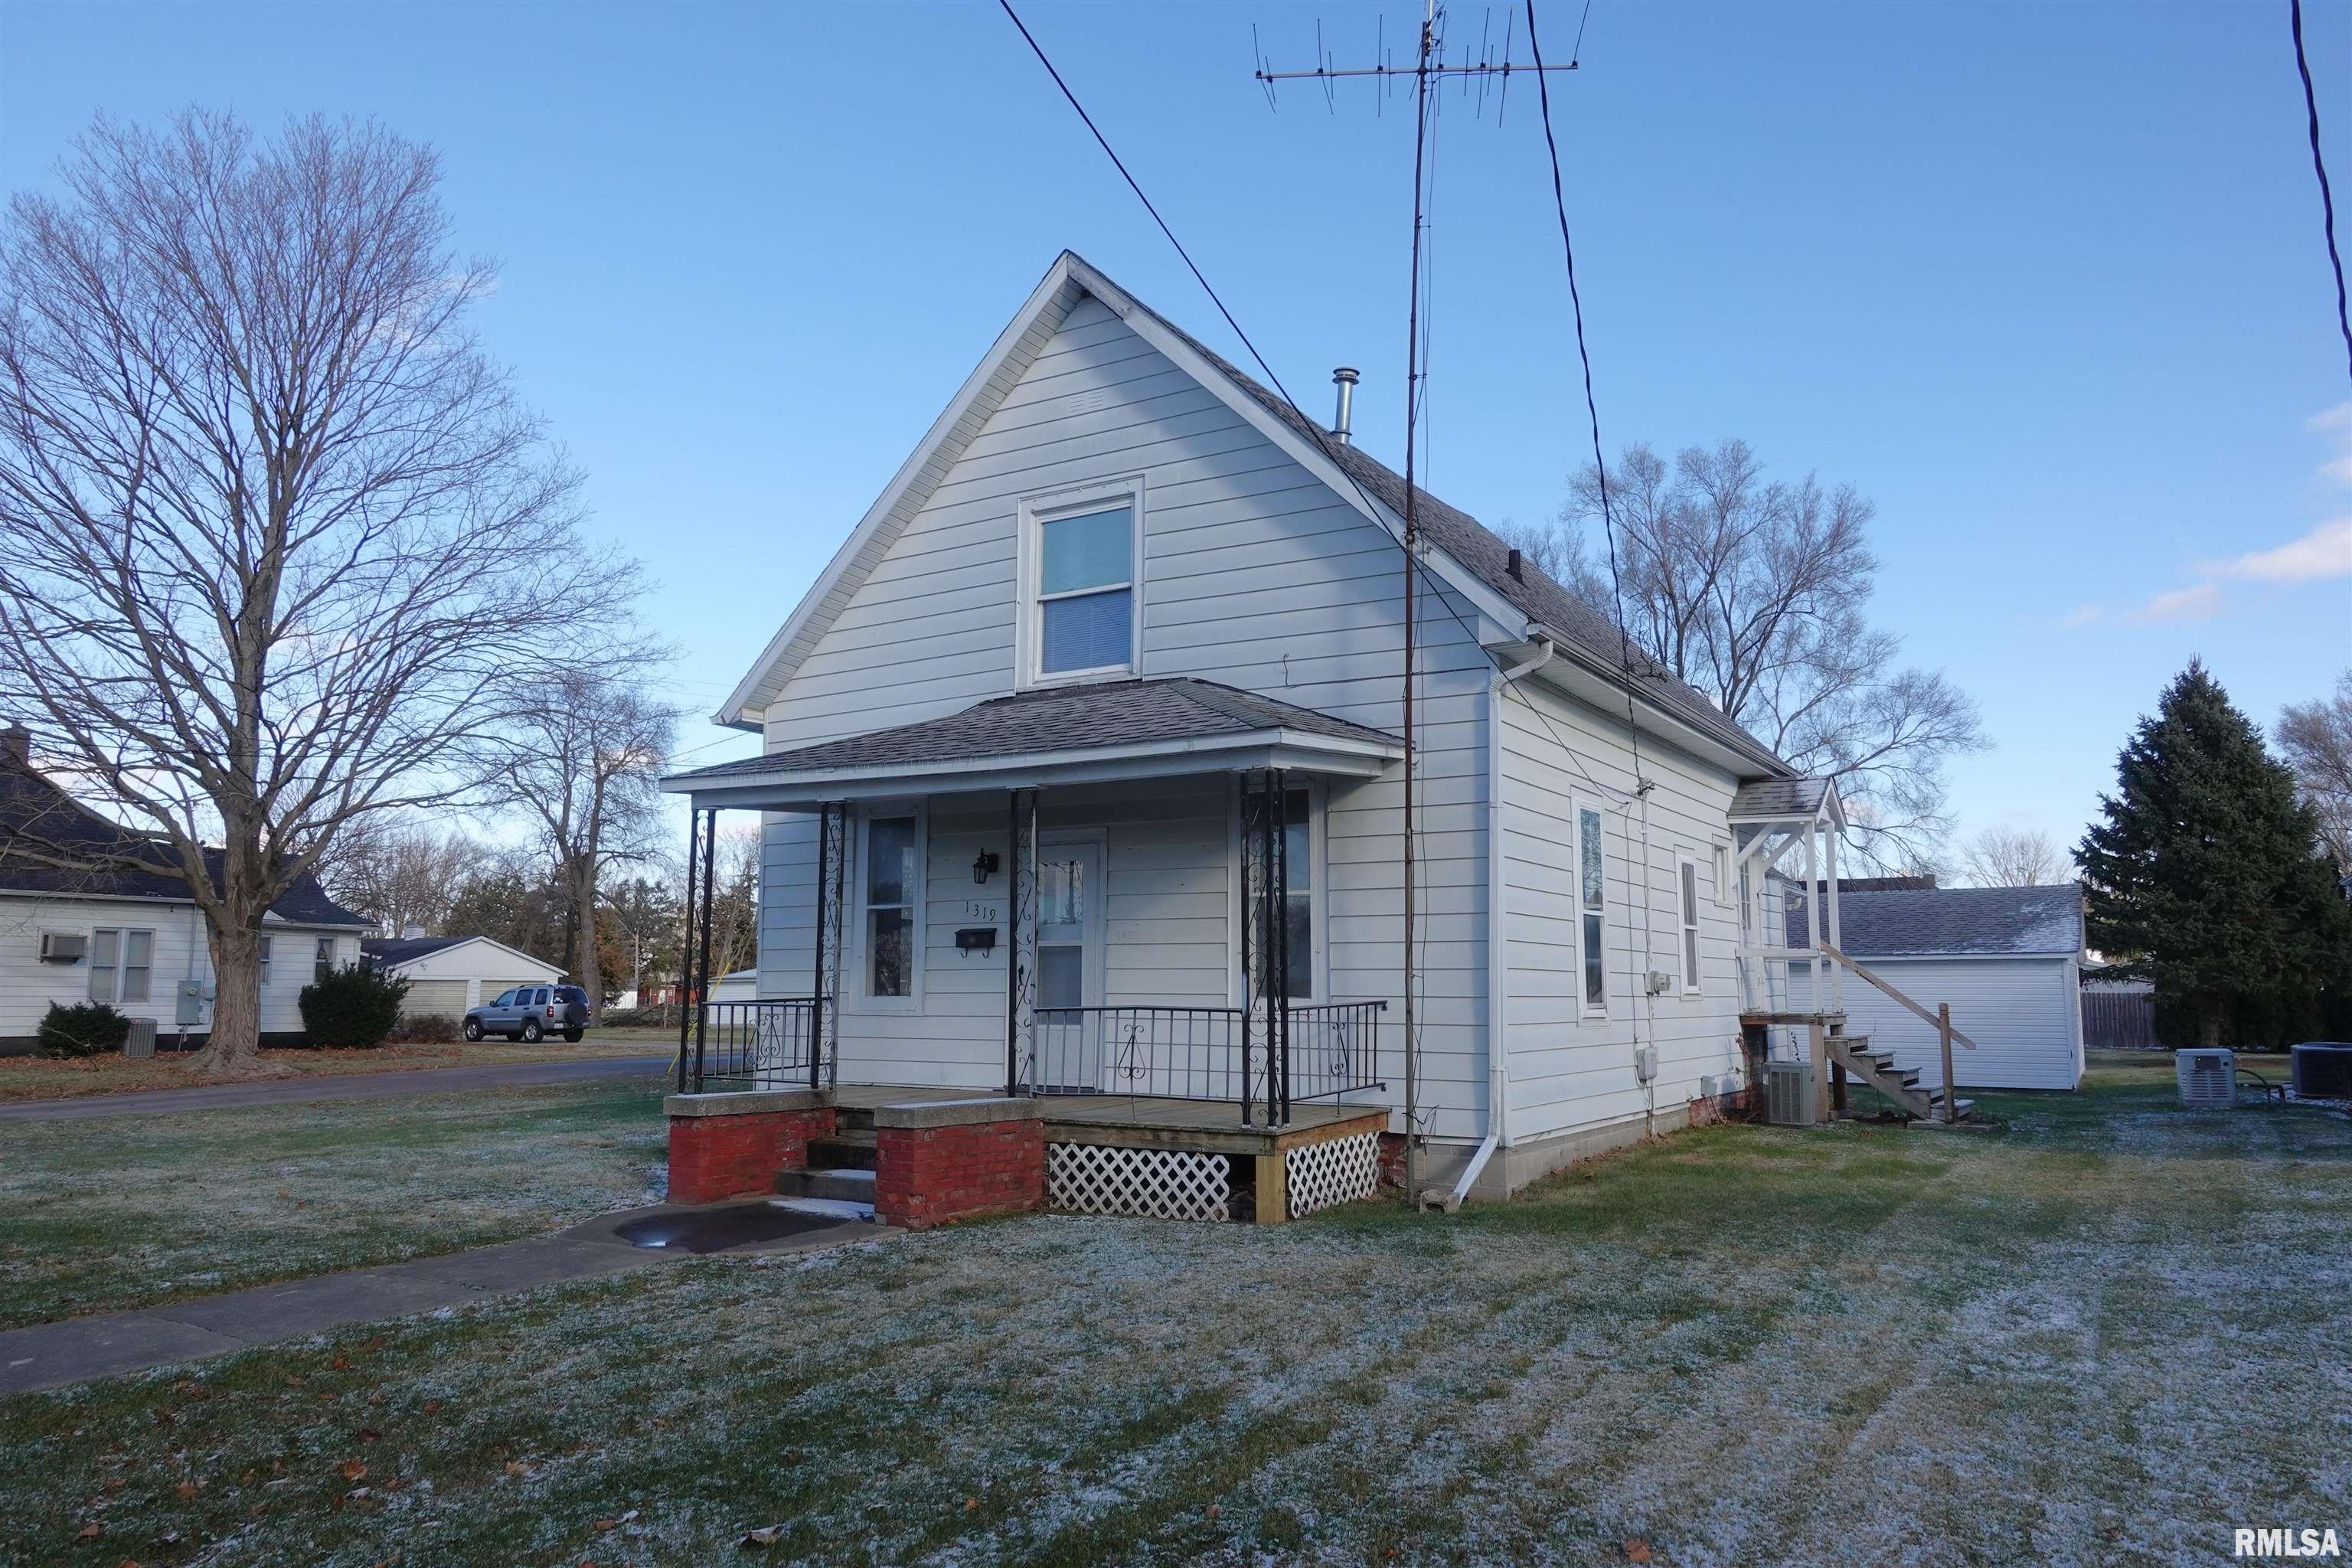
1593	891
1689	894
893	887
503	999
322	963
1298	906
1724	891
138	964
105	961
265	961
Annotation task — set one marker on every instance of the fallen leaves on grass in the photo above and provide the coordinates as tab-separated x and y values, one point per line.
765	1536
1636	1549
350	1470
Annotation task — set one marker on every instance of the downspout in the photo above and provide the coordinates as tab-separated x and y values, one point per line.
1498	1069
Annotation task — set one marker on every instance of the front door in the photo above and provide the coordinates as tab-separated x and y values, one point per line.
1069	967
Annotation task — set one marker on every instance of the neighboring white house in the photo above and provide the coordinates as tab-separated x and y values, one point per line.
134	940
742	986
2009	961
448	974
1121	606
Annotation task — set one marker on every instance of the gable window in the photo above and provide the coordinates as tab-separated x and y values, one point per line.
1298	904
122	964
891	925
1080	574
1593	877
1689	890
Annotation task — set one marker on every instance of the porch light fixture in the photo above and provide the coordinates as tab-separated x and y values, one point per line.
982	866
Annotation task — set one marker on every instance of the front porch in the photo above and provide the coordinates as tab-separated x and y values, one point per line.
1122	943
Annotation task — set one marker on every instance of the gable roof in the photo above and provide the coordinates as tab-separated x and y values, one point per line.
1967	922
1058	719
34	811
394	952
1776	800
1468	556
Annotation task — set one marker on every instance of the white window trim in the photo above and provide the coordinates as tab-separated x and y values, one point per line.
1690	932
267	942
1318	909
1096	982
859	995
1029	638
328	962
1724	894
122	935
1586	1006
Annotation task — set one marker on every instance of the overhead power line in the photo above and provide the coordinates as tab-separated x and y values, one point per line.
2319	167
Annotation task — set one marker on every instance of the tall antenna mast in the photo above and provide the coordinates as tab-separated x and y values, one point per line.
1428	70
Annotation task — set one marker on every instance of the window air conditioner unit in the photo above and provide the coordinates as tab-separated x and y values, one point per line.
64	947
2209	1078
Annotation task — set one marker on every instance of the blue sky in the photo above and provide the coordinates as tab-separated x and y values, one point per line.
2044	281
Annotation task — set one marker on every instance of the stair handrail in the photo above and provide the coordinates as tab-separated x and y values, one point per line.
1884	984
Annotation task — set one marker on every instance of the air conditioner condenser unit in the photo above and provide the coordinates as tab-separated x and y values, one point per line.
1789	1094
2208	1077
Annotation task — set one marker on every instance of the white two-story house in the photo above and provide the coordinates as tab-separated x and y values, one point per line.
1100	707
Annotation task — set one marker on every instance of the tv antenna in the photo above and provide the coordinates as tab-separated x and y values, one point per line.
1487	68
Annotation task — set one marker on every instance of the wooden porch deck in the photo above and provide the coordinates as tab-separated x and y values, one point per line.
1207	1126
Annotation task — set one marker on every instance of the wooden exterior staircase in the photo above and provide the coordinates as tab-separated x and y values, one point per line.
1901	1085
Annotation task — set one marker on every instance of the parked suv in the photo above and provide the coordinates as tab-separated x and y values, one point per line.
527	1013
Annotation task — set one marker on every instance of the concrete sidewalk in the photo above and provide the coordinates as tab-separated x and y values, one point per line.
48	1355
337	1086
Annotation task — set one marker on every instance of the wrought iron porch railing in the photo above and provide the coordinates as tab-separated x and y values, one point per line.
1153	1052
1334	1048
1228	1054
752	1045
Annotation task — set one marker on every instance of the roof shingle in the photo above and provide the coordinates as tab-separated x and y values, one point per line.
1965	920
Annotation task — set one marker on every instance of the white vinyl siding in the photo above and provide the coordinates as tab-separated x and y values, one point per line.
1254	573
176	952
2025	1014
1568	1069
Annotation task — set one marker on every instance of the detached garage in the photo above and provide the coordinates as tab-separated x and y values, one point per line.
448	974
2009	959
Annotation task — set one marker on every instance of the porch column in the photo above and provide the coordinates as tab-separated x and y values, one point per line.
686	961
700	994
831	857
1265	948
1021	943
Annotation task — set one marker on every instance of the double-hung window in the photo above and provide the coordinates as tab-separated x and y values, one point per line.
1687	870
265	961
1298	932
122	964
322	963
891	925
1593	877
1081	580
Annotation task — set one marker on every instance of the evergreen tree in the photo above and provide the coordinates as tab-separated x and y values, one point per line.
2205	877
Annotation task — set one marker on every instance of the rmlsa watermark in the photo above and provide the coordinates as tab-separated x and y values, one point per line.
2287	1543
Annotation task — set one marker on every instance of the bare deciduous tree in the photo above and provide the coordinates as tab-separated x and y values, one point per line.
398	874
2317	737
584	753
270	522
2013	857
1752	590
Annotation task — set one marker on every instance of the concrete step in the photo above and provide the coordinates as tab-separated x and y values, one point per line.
853	1117
851	1185
850	1150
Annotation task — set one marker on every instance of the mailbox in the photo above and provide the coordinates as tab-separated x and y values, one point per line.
976	939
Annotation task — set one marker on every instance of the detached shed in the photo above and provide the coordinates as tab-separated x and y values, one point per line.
448	974
2008	960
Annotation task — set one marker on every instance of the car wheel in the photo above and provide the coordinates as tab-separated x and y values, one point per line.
473	1028
573	1037
530	1031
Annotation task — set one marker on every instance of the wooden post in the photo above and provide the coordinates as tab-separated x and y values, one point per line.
1821	1070
1951	1092
1273	1177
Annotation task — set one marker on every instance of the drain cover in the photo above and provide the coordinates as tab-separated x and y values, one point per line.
716	1230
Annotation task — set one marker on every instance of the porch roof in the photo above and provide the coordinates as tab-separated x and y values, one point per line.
1108	730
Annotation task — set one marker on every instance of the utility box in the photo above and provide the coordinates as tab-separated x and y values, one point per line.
1789	1094
191	1009
141	1040
2208	1077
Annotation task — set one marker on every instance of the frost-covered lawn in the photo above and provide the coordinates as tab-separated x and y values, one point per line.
38	1078
133	1210
2106	1336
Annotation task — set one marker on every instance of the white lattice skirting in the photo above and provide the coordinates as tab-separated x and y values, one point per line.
1158	1184
1323	1174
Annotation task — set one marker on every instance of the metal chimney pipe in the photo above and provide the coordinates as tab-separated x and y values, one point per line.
1344	378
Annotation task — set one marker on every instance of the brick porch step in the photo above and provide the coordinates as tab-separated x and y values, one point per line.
851	1185
850	1149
